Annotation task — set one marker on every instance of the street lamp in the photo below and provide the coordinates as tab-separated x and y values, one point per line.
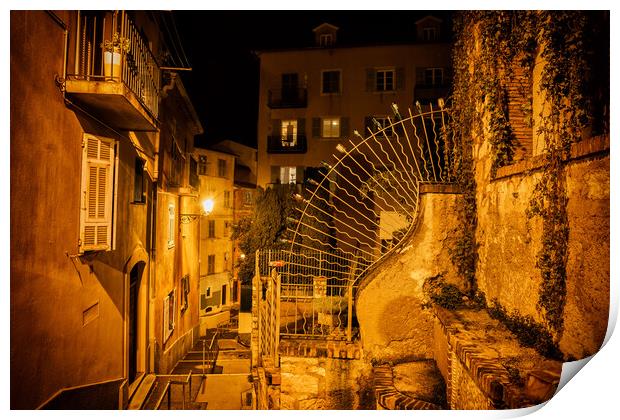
207	208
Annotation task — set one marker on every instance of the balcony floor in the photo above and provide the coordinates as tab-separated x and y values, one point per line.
111	102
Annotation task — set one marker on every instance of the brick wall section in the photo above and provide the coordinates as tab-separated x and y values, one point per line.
389	398
518	88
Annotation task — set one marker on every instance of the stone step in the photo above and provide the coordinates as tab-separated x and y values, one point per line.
410	386
139	397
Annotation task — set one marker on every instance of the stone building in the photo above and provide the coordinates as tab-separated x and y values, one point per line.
216	174
311	99
91	188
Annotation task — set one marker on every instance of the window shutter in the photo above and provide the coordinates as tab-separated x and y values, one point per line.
371	76
276	127
419	76
344	127
301	127
400	78
316	127
275	174
97	190
299	174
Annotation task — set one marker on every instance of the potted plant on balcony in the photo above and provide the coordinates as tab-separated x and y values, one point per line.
112	55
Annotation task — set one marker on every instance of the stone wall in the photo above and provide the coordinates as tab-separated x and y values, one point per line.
393	323
314	383
509	242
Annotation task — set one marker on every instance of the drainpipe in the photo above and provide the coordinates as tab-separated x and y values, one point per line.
60	80
153	277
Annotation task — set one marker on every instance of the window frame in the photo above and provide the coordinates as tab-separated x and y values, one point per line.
434	71
222	168
171	224
385	71
323	72
292	170
324	120
210	264
211	229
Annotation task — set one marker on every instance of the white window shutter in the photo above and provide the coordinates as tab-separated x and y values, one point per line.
97	193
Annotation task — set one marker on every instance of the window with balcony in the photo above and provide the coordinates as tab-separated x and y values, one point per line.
384	80
330	82
289	133
96	221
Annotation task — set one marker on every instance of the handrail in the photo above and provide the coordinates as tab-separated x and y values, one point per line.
161	399
187	381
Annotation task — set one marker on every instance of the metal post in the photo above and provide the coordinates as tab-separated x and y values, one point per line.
350	311
203	358
169	392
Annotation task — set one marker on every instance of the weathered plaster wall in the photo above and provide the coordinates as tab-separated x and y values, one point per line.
321	383
393	324
509	243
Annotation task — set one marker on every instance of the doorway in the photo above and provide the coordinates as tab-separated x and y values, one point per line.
136	323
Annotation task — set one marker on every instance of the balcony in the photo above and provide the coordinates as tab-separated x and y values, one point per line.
112	72
283	144
288	98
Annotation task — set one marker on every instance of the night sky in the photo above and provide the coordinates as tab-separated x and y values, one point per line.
223	84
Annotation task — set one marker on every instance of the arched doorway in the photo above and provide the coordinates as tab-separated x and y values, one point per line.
136	320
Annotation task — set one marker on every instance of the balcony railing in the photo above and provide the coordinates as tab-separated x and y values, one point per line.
109	48
287	144
288	98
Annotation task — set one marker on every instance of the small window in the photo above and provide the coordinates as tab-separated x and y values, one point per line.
139	192
211	264
384	122
221	168
184	293
430	33
211	229
433	76
288	175
247	198
169	314
224	294
326	40
171	220
227	199
330	127
202	165
330	82
384	80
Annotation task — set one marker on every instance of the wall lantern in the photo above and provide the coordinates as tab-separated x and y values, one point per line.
207	208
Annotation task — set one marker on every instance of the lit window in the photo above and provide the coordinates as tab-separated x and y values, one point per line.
330	82
433	76
288	175
384	80
289	133
247	197
330	128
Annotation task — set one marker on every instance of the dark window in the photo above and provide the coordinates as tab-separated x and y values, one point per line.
221	168
433	77
139	191
224	294
202	165
331	81
194	181
211	264
211	228
384	80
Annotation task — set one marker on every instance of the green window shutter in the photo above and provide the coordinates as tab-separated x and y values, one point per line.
371	76
97	191
316	127
400	78
344	127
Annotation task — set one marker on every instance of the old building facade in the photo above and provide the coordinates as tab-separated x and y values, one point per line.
86	299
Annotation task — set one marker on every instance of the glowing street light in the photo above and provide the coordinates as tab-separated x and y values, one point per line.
207	206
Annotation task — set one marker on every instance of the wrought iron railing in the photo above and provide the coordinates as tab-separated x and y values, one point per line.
109	48
288	98
269	320
287	144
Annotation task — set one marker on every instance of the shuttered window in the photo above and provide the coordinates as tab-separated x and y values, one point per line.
171	223
98	160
